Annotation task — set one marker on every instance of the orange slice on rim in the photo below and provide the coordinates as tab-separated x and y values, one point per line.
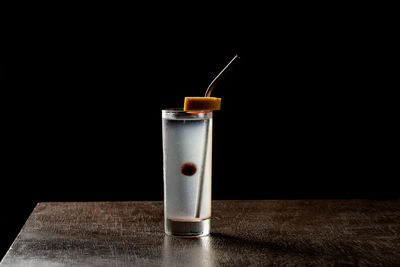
195	103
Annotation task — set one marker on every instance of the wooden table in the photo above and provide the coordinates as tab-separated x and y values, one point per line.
244	233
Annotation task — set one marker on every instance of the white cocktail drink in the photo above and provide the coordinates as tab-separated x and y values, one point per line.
187	150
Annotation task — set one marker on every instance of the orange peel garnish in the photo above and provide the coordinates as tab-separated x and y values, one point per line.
201	104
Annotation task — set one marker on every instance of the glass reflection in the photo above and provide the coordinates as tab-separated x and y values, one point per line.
187	251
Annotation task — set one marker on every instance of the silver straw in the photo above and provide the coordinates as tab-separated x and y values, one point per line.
224	71
208	93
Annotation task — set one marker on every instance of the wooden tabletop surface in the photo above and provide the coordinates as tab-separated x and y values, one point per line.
244	233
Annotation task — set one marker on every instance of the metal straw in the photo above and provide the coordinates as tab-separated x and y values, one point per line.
224	71
208	93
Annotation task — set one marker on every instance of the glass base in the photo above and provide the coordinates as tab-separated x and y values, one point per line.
187	228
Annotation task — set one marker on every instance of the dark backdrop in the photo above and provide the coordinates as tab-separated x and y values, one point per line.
307	113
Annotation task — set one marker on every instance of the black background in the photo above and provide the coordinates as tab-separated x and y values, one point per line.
307	113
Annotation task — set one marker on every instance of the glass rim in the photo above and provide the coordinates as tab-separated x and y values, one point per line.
180	114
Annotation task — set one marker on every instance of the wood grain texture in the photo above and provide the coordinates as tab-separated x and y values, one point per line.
244	233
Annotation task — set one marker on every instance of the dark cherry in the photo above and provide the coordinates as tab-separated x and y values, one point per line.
188	168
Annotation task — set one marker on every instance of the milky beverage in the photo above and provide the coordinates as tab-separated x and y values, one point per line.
187	164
